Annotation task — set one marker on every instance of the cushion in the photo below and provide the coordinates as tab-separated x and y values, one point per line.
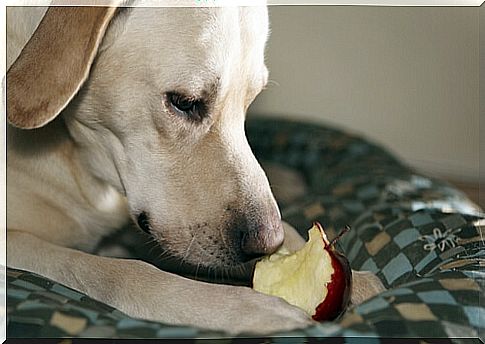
419	235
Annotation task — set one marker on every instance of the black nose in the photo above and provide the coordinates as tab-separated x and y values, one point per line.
262	239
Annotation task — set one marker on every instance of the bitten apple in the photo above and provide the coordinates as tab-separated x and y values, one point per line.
317	278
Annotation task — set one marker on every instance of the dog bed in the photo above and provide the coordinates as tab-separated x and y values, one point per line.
422	238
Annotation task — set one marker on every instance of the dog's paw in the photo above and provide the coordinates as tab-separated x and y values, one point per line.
243	311
365	285
261	314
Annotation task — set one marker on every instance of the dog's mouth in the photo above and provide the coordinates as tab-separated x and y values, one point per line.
227	265
237	274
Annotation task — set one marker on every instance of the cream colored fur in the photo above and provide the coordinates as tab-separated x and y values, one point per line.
118	149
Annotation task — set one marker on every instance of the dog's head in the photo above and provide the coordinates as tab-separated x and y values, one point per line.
156	103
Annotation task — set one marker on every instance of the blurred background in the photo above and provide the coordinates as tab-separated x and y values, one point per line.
404	77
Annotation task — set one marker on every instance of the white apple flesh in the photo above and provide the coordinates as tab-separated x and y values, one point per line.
316	278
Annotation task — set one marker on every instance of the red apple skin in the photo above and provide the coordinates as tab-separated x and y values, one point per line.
338	294
340	287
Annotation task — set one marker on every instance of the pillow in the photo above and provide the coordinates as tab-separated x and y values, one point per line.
421	237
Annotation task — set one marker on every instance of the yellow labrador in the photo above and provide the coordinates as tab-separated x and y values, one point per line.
119	113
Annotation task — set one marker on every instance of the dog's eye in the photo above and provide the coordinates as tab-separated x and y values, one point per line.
193	109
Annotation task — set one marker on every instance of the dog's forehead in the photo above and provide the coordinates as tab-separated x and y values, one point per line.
200	43
199	24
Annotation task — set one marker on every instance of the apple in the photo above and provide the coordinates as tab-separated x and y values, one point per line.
317	278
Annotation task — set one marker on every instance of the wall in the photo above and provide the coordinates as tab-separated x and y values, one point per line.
405	77
482	107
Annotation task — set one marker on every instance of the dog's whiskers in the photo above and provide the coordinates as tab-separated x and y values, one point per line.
187	251
197	269
227	273
152	249
241	269
151	241
209	273
223	239
164	254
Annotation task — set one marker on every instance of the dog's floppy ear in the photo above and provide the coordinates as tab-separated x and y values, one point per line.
54	63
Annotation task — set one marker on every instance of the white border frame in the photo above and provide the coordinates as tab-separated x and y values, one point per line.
221	3
196	3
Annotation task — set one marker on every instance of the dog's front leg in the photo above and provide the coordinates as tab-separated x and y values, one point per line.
141	290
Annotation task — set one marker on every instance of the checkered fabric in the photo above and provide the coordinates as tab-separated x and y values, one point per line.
422	238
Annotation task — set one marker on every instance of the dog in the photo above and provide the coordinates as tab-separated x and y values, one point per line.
120	114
